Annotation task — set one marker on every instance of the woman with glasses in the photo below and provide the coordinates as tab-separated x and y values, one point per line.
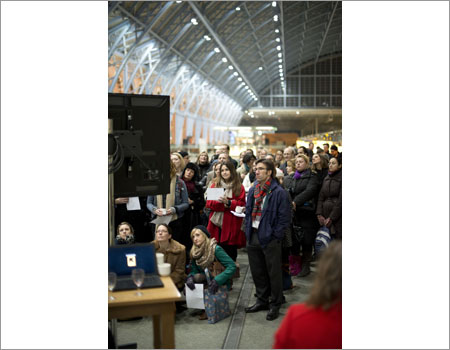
223	225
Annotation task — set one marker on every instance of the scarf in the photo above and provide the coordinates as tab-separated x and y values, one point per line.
190	185
205	254
298	175
127	240
217	216
259	195
170	198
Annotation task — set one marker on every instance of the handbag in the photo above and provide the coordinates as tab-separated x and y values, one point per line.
216	305
217	268
298	233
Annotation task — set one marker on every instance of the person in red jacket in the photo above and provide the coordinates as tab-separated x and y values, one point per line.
317	324
223	225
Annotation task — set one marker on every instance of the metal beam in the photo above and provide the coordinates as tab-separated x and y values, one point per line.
326	31
136	43
221	45
283	48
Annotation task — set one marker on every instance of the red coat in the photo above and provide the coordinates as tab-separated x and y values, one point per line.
231	226
305	327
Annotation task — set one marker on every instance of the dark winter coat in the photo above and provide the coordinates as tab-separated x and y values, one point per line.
304	194
329	204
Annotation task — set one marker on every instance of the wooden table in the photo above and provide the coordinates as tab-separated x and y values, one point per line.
158	302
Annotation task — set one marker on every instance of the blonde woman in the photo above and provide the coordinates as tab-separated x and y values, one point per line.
175	204
178	161
304	189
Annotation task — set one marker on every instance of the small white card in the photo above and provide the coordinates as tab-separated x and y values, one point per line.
133	203
213	194
194	298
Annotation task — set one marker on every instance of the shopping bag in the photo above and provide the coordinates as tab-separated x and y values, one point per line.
216	305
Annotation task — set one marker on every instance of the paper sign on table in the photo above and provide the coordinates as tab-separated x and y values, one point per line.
194	298
133	203
213	194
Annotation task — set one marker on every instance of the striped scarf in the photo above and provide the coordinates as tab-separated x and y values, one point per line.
259	195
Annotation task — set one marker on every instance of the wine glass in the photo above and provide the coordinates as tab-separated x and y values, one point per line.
112	279
138	278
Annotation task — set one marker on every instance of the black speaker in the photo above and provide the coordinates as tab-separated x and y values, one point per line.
139	143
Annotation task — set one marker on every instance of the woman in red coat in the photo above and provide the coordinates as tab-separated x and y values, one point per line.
223	225
317	324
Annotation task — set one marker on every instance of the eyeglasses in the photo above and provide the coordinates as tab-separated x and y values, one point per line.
261	169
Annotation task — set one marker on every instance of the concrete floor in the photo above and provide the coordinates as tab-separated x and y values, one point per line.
239	331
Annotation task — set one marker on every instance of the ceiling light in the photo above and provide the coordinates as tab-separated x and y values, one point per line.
238	8
246	87
275	18
282	78
260	68
194	21
230	67
242	83
207	38
279	48
297	112
256	99
178	2
235	74
280	66
217	49
239	79
280	54
280	60
280	70
224	59
277	40
274	3
277	31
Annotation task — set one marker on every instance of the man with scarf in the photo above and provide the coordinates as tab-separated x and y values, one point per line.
268	215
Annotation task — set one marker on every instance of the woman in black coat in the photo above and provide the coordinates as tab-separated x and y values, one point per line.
320	166
192	216
304	189
329	205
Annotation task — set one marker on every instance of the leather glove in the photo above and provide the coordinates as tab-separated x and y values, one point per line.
213	287
190	282
321	220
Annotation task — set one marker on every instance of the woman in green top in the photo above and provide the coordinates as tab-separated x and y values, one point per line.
203	254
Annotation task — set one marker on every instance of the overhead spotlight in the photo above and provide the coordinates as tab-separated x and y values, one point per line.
280	66
179	2
277	40
230	67
282	78
297	112
280	60
207	38
242	83
260	68
246	87
274	4
238	8
280	54
239	79
256	99
194	21
224	59
280	70
279	48
235	74
275	18
216	49
277	31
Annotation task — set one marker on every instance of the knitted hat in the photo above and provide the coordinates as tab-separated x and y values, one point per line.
183	153
203	229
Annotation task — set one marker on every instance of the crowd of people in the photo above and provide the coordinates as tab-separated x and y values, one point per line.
272	204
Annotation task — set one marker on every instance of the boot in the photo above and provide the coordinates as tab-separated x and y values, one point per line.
203	316
305	269
294	264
